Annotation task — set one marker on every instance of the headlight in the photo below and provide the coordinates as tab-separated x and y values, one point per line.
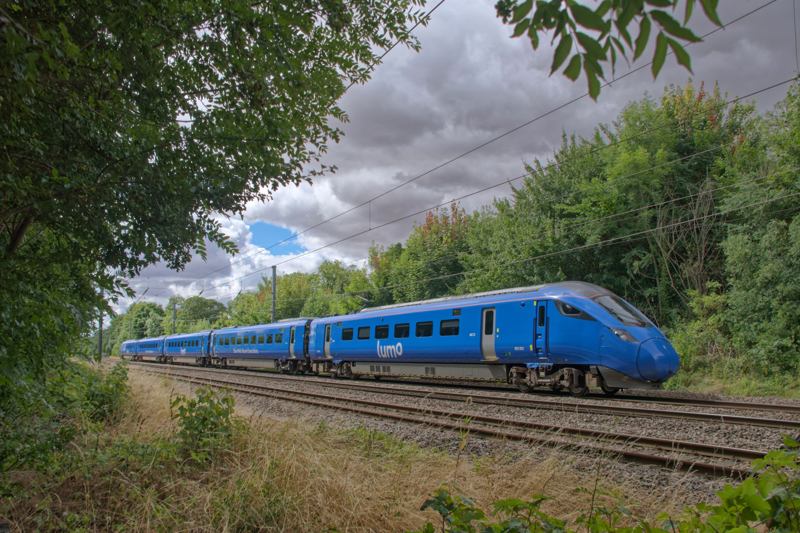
623	334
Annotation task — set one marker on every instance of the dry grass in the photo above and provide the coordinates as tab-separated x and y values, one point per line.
304	477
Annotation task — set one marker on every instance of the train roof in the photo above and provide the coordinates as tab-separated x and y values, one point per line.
548	289
280	324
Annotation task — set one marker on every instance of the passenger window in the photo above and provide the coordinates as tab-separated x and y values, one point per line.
402	331
424	329
227	341
261	339
269	339
347	334
278	338
448	327
253	339
488	327
238	340
247	340
382	332
220	341
363	333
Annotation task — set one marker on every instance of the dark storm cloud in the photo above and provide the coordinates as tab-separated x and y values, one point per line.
469	84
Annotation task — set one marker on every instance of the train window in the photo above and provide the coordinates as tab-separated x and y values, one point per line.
227	341
382	332
328	333
541	315
220	341
247	340
363	333
401	331
269	339
291	336
448	327
424	329
278	338
347	334
623	311
488	326
238	340
252	339
261	339
456	312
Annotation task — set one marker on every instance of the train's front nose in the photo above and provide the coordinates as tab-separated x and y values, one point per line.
657	360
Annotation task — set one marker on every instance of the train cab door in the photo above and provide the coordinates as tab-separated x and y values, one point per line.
488	334
291	342
328	341
540	330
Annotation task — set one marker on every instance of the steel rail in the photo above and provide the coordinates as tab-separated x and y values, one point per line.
667	445
571	407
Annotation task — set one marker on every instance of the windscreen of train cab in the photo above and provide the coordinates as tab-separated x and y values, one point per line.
622	311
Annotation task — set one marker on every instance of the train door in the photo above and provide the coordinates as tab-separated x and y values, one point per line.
488	334
291	342
328	341
540	330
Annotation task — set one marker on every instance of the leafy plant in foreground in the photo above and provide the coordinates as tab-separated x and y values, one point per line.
769	499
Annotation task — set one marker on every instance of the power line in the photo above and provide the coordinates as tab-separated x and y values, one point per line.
607	84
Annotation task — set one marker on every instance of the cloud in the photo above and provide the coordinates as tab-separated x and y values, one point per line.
468	85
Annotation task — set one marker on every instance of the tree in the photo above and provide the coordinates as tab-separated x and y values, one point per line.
432	250
656	175
127	129
568	21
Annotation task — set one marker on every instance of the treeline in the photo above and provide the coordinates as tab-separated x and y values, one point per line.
687	205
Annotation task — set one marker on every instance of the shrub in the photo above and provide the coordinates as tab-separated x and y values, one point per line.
207	423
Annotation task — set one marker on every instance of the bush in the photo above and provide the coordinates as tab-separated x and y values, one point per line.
207	423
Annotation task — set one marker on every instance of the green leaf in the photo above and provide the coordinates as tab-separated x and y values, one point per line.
587	18
641	40
521	27
660	55
689	8
623	31
594	83
562	51
521	11
592	47
680	54
534	36
673	27
660	3
573	70
710	8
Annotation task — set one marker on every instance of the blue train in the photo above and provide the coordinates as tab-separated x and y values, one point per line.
567	336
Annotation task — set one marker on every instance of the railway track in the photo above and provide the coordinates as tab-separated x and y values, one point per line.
536	403
671	454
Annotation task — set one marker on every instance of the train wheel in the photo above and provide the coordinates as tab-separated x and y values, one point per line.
355	376
524	387
609	391
377	378
579	391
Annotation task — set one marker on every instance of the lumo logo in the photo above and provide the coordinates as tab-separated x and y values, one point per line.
388	352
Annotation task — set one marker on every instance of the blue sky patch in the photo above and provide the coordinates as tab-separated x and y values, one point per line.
266	235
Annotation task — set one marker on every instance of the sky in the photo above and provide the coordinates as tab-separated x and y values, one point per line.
469	84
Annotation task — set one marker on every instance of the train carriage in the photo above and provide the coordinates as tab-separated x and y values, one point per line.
150	349
128	350
191	348
281	345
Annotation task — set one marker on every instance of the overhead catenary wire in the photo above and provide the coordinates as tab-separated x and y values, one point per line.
471	150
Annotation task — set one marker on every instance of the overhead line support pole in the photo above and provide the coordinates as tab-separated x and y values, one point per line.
100	331
274	270
173	318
